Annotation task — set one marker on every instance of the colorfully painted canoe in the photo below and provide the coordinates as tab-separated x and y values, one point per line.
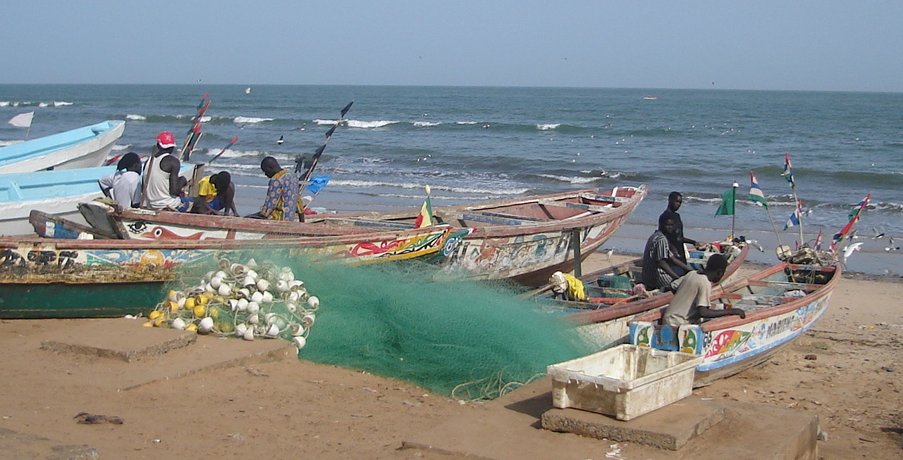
78	148
603	319
525	239
781	303
69	278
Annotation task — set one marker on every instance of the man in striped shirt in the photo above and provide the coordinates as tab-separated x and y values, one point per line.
661	267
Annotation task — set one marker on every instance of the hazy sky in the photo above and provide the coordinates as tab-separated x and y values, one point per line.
762	44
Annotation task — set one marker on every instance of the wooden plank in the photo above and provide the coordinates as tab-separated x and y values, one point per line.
492	219
786	284
377	223
511	216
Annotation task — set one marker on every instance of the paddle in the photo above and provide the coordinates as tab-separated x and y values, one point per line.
194	133
232	142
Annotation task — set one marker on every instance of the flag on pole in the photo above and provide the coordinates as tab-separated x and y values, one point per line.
755	192
788	168
728	199
794	218
22	120
855	213
317	183
425	218
818	241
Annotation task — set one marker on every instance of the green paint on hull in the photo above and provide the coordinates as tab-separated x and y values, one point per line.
77	300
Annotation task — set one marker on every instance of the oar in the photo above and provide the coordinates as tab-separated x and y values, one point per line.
230	144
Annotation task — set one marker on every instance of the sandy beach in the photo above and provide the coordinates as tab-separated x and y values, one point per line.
272	405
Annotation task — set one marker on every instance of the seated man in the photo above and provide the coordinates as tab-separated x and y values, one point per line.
691	300
282	192
661	267
217	194
677	238
124	185
162	186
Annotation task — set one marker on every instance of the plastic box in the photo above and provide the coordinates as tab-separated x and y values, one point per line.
624	382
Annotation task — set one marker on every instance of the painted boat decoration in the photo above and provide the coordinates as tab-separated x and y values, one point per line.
524	239
78	148
44	278
603	319
781	302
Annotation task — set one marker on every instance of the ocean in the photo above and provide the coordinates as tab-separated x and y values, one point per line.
480	143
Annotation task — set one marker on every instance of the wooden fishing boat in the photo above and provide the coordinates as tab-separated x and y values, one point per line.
524	239
54	278
781	303
78	148
54	192
612	302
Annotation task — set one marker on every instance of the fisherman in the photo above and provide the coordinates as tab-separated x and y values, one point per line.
282	192
124	185
677	239
217	193
691	300
661	267
162	189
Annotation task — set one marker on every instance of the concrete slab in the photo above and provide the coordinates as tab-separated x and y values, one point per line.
23	445
748	431
118	339
670	427
143	355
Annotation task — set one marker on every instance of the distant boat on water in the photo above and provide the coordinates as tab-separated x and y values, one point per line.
248	90
650	98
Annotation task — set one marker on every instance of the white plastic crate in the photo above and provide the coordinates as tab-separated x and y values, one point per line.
624	382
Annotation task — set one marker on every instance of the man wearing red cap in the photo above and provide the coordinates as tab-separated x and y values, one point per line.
161	179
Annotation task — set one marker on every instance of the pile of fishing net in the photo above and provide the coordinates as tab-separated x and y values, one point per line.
247	300
463	339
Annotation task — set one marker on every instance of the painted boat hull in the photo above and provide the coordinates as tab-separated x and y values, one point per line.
78	148
605	325
525	240
729	344
116	277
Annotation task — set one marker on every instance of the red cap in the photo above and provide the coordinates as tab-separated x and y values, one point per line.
166	140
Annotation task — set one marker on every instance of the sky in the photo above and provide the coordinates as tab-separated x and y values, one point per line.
824	45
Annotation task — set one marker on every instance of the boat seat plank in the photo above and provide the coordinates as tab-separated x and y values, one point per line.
786	284
511	216
605	198
376	223
583	206
479	217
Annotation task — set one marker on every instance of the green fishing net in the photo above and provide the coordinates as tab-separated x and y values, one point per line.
469	340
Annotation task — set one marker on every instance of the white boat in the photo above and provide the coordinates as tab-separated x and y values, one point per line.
54	192
84	147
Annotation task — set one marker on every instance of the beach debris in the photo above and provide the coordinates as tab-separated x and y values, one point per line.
94	419
810	357
247	300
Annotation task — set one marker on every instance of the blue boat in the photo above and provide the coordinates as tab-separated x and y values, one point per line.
84	147
56	192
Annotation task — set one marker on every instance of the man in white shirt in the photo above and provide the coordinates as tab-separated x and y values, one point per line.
691	300
124	185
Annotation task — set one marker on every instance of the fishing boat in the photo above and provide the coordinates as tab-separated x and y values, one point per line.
78	148
524	239
54	192
68	278
613	301
781	303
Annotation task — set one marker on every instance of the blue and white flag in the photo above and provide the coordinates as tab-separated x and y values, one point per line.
794	218
788	168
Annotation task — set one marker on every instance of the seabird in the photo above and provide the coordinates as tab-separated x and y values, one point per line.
848	251
280	140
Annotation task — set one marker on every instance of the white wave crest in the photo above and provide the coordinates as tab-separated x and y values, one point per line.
61	103
369	124
465	122
206	118
426	124
447	188
247	120
547	126
132	116
4	103
43	104
230	153
570	180
119	148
